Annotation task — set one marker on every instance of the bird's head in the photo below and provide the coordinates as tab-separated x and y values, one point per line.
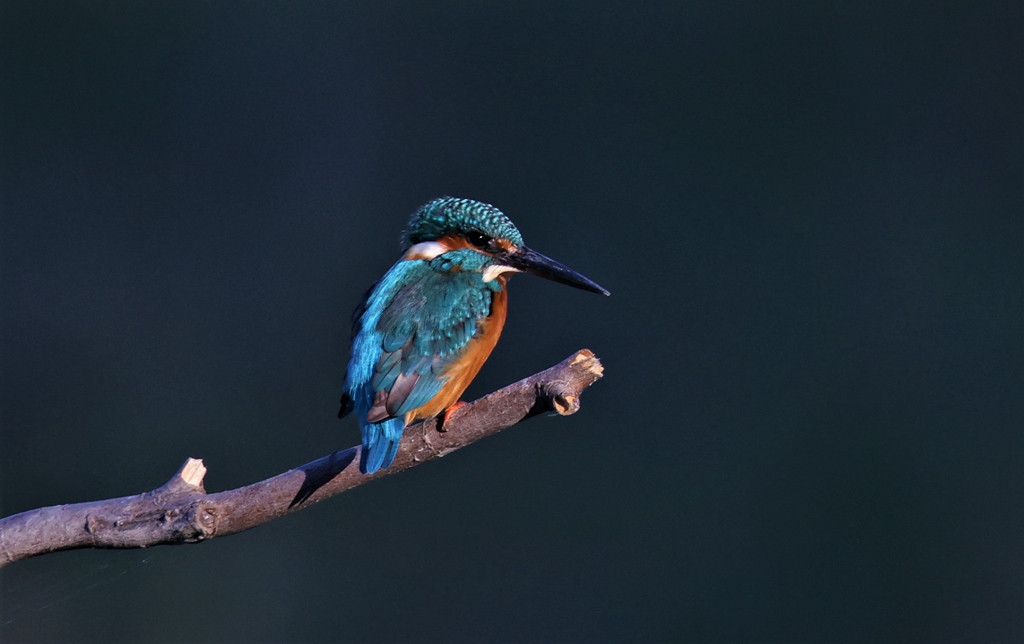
449	224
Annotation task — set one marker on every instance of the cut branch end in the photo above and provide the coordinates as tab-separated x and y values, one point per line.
192	472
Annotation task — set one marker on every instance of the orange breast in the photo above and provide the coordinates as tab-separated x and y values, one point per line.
473	357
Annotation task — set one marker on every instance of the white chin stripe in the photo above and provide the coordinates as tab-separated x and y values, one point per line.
493	271
427	250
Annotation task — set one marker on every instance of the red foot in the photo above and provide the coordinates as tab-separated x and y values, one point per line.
449	411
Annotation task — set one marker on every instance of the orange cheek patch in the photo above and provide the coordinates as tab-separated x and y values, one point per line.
506	245
428	250
454	242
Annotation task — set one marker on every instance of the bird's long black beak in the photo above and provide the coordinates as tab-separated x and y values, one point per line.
530	261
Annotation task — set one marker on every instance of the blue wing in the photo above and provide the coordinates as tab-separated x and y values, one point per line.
411	327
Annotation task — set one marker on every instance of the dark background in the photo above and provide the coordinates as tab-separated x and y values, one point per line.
811	219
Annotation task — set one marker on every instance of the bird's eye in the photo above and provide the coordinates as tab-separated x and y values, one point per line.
478	239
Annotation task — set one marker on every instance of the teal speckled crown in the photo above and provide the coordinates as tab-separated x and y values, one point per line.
458	216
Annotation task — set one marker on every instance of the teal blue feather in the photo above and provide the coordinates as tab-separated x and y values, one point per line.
453	215
412	326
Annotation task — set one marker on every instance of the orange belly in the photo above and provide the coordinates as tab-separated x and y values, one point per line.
463	370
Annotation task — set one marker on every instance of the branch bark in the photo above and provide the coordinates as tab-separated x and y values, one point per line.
180	511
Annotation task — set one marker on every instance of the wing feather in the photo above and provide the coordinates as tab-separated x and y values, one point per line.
412	330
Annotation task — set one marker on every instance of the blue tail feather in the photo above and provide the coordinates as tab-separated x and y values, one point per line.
380	444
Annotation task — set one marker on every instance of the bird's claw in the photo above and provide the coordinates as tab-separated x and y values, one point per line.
451	409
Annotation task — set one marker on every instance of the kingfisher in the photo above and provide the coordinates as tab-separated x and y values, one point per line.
422	332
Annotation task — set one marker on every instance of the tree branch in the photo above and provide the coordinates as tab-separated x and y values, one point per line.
181	511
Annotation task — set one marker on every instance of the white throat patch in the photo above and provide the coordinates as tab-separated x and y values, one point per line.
492	272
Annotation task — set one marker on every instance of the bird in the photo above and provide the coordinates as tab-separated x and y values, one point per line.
423	330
